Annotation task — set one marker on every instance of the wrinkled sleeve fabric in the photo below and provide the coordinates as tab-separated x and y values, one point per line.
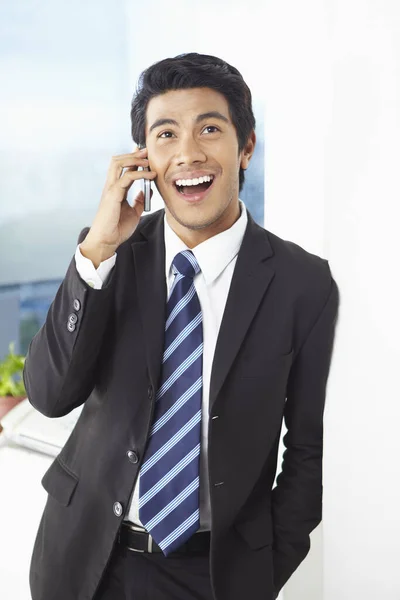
60	367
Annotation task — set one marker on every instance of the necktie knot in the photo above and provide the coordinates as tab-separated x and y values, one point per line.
186	264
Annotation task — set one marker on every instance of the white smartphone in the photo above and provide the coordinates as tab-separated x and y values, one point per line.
146	186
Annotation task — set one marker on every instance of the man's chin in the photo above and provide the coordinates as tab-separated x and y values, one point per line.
189	221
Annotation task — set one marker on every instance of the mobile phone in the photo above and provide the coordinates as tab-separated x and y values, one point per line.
146	186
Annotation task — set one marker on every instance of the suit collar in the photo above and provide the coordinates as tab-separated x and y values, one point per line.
213	255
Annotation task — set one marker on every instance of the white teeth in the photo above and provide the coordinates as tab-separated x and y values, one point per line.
196	181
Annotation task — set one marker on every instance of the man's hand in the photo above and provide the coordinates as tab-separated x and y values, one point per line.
116	220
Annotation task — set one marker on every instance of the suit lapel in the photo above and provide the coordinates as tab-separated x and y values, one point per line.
149	258
251	278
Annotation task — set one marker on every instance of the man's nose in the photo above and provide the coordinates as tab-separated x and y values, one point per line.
190	151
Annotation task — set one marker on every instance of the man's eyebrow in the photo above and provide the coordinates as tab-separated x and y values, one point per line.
213	114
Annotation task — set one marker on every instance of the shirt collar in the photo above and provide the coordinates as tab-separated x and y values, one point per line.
213	255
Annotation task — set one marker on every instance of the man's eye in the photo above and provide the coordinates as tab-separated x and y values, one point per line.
163	133
211	127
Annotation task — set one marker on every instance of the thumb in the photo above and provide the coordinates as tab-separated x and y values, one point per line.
139	199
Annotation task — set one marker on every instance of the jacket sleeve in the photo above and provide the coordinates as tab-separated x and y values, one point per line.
86	269
60	366
297	497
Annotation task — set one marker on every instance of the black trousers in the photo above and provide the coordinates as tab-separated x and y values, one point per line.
143	576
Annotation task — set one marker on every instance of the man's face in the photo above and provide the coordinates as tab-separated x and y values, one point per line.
185	142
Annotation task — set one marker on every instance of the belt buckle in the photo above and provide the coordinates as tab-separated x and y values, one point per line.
141	530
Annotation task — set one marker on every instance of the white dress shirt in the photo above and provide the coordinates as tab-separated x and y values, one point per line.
217	258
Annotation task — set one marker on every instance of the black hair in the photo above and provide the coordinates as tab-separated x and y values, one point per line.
193	70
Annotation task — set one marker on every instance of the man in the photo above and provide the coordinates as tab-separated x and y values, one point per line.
188	334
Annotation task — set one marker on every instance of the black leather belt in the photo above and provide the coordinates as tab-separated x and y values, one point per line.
136	540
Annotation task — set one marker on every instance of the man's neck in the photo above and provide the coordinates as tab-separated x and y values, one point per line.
193	237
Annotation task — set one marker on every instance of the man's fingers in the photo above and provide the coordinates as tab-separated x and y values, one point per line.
117	167
119	162
129	177
138	202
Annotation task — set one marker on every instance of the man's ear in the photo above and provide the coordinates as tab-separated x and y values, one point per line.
248	150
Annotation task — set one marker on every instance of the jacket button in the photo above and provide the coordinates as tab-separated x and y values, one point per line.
132	456
77	304
150	392
73	318
117	509
70	326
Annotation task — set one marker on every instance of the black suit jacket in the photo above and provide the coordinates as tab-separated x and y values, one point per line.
271	362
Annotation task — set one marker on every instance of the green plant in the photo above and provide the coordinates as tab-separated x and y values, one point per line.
11	381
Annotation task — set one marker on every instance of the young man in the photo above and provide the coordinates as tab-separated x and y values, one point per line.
188	334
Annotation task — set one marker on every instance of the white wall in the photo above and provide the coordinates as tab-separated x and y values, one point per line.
332	167
298	97
362	484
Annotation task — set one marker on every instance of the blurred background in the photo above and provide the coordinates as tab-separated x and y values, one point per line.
69	75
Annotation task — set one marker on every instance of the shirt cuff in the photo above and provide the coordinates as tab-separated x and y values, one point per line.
93	277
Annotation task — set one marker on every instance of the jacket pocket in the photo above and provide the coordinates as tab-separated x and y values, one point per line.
60	482
260	367
257	533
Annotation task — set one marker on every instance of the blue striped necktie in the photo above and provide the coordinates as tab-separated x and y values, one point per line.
169	476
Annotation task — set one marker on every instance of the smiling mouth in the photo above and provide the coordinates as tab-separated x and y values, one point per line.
194	193
188	190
